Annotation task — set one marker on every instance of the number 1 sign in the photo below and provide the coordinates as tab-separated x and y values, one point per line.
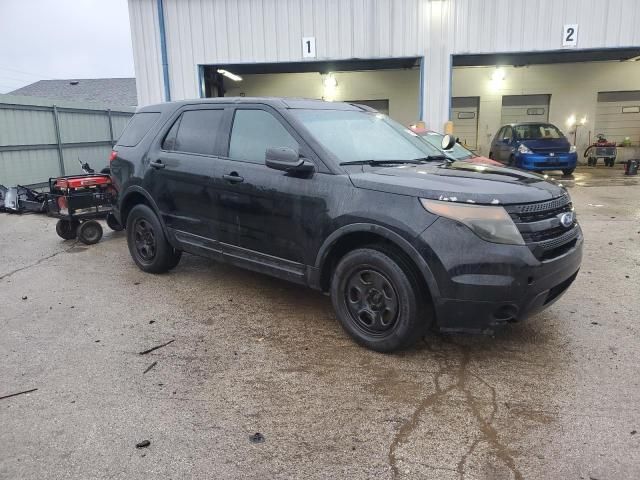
308	47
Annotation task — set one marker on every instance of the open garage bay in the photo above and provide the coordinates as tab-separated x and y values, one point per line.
557	397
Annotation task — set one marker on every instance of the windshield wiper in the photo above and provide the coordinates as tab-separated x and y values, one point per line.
434	158
381	162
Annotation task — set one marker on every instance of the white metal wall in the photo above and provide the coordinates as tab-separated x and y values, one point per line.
234	31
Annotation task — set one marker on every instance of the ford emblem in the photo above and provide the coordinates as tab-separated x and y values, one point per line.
566	219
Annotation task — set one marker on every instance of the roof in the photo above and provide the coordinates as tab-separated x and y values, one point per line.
276	102
110	91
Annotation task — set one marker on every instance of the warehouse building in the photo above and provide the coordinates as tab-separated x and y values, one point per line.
477	64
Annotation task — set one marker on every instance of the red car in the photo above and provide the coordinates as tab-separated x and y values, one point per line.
457	152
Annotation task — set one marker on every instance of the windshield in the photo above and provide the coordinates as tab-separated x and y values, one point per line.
537	131
457	152
353	136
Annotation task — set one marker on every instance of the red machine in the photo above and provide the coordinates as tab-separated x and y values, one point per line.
78	201
602	148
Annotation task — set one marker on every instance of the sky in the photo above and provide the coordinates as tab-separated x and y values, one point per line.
50	39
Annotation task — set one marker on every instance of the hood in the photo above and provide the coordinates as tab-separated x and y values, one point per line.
459	182
548	144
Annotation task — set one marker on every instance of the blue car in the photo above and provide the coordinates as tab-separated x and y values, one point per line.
534	146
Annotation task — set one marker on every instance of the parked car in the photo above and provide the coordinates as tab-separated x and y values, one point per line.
456	151
534	146
349	202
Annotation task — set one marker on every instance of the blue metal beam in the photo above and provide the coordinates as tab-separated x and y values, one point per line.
163	50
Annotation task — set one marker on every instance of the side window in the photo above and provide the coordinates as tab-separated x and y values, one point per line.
194	132
507	133
137	128
169	142
253	132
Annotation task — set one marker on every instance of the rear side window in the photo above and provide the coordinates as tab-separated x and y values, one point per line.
253	132
194	132
137	128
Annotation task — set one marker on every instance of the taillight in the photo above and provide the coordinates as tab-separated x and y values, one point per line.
113	156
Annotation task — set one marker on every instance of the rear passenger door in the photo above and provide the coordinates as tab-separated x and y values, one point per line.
182	166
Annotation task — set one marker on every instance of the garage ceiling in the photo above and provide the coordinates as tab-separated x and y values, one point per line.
553	56
354	64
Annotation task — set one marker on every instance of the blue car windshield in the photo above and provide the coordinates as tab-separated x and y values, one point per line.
537	131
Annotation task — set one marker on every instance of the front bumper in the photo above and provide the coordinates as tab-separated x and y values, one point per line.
483	285
545	161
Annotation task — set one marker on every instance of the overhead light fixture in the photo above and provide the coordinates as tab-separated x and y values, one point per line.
498	75
229	75
330	81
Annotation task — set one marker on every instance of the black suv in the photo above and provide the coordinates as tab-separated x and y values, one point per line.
341	198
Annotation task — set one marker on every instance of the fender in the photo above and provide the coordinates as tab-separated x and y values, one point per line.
386	233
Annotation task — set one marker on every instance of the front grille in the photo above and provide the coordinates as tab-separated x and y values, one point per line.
550	164
539	224
550	150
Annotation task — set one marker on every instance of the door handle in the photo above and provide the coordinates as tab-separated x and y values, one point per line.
233	177
157	164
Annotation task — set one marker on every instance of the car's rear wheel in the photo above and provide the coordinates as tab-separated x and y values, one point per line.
491	156
568	171
147	243
378	301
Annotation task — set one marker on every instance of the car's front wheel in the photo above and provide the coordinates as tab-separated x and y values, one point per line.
378	301
147	243
568	171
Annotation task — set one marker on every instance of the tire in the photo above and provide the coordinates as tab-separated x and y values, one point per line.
89	232
491	156
568	171
511	161
147	243
113	223
67	229
377	299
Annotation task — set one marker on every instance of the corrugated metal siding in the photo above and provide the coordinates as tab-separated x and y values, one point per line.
28	141
28	166
231	31
22	127
83	127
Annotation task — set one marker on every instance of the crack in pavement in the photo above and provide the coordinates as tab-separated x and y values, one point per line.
36	263
488	432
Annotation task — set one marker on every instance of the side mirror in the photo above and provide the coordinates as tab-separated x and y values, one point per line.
287	160
447	142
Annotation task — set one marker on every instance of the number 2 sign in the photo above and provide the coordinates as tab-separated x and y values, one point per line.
308	47
570	35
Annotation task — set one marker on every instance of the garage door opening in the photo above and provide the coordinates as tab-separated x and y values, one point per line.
583	92
391	86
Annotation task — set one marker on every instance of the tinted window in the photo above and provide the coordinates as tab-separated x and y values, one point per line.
169	142
137	128
253	132
197	131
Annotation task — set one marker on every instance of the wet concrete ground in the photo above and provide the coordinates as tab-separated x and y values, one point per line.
557	397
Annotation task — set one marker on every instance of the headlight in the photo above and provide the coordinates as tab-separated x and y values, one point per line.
524	149
572	149
491	223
